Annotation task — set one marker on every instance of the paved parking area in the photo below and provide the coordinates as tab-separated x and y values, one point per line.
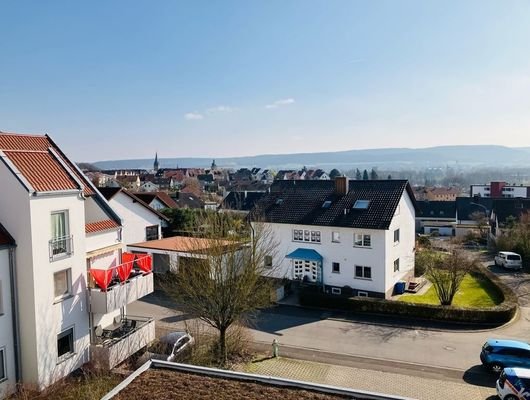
518	281
369	380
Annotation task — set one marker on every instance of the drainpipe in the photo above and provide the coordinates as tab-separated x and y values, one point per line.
14	311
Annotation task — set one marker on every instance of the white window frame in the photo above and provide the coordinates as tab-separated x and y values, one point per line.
306	235
3	361
398	236
335	237
151	227
66	237
396	263
336	290
363	272
66	356
362	240
362	293
68	293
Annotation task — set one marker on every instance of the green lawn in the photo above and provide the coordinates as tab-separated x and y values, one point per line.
475	291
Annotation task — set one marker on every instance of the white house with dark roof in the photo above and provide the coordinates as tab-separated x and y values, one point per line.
70	264
350	237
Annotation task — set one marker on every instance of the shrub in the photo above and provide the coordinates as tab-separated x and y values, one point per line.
502	313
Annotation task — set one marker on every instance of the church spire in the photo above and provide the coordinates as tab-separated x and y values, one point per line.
155	164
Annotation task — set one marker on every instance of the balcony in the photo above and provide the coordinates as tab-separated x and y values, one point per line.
118	286
117	342
120	294
61	247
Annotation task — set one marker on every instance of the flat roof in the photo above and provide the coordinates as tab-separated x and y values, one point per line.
182	244
162	380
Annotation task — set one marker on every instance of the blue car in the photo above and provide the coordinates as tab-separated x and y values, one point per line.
498	354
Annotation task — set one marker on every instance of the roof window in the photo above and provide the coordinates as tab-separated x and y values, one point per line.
326	204
279	202
361	204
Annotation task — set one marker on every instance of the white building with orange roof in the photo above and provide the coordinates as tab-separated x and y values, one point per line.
75	279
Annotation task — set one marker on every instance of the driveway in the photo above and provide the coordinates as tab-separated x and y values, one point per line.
518	281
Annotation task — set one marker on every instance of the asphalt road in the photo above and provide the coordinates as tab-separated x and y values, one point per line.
445	351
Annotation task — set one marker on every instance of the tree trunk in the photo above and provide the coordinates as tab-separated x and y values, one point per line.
222	346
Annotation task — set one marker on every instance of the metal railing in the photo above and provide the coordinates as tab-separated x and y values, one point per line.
62	246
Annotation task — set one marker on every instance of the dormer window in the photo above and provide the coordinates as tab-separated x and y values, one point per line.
361	204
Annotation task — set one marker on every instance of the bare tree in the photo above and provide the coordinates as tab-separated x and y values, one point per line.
482	222
226	279
446	272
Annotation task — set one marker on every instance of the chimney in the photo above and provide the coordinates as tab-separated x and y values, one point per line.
341	185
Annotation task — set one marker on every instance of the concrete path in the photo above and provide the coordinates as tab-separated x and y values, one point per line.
362	379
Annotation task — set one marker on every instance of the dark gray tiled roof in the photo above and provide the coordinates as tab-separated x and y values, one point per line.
436	209
466	206
300	202
505	208
241	201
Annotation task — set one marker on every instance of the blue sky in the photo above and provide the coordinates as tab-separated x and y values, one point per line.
123	79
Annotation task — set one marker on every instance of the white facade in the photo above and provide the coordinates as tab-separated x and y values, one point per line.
136	219
337	246
7	331
508	191
149	186
52	269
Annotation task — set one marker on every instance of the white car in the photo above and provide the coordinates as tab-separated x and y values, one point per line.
176	343
514	384
508	259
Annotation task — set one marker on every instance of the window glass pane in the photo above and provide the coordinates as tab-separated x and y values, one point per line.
58	225
61	283
358	271
358	239
335	236
368	272
65	343
336	267
367	241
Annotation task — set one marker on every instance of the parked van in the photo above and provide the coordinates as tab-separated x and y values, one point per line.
508	259
513	384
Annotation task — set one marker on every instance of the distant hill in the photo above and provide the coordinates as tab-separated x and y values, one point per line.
394	158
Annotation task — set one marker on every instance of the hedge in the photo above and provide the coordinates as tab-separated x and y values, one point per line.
311	296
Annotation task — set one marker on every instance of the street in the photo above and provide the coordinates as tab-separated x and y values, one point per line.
439	351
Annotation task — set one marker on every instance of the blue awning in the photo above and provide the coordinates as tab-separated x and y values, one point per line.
305	254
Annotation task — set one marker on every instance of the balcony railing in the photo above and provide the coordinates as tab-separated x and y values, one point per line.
120	294
115	343
62	246
120	285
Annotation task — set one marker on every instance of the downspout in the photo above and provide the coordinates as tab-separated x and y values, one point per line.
14	311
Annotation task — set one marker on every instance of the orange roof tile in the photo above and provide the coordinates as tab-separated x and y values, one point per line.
32	156
42	170
98	226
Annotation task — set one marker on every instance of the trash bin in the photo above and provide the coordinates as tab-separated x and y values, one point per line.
399	287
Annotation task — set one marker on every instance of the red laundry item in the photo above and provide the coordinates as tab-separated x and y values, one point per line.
102	277
145	263
126	266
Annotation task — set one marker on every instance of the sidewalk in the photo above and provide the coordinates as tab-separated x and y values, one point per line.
369	380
